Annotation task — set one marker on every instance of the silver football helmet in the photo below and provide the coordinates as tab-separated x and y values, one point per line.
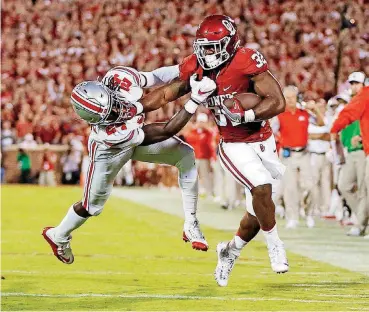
98	105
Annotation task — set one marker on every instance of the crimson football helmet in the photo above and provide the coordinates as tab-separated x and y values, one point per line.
216	34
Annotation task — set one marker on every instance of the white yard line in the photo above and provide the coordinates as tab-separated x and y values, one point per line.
98	273
167	297
344	296
134	258
160	273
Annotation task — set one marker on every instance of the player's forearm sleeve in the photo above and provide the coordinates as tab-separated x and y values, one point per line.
159	76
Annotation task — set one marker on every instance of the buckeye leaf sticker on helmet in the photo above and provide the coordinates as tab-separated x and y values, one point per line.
126	81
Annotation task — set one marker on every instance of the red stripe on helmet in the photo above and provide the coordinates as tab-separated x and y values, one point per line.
88	105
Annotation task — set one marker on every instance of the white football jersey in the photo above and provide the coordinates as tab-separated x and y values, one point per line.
120	136
127	134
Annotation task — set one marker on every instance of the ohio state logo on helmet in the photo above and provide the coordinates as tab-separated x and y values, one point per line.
216	41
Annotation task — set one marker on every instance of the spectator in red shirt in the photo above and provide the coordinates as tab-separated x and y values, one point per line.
49	132
201	139
23	126
47	173
292	126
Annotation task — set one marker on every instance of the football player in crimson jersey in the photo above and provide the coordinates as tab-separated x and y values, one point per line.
247	149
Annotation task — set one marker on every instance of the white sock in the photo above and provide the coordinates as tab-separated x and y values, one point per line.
190	192
189	184
272	235
70	222
235	245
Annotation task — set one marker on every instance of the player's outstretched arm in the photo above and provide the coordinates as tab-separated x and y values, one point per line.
159	131
159	76
273	103
200	90
163	95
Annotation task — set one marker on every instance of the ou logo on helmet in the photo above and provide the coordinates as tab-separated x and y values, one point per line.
227	24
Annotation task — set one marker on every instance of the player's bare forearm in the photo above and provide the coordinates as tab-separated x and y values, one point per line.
157	132
320	136
268	88
319	118
163	95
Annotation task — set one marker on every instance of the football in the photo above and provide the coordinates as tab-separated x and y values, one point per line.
244	101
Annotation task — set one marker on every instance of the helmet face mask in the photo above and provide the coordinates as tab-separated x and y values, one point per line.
120	108
98	105
213	60
216	41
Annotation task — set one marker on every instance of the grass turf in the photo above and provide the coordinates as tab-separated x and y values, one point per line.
132	258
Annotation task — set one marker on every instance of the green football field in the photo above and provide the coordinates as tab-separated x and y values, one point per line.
132	258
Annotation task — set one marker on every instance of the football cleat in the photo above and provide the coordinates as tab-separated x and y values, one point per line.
278	258
225	264
61	250
292	224
310	223
354	231
193	234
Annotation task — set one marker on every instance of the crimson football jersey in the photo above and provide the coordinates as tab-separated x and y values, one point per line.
232	79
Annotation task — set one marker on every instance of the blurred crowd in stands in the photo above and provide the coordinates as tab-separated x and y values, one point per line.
49	46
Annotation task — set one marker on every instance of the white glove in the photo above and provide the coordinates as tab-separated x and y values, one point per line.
201	89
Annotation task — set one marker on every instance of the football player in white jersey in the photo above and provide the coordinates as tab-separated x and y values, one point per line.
118	134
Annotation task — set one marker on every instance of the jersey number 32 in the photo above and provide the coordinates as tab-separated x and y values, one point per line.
259	59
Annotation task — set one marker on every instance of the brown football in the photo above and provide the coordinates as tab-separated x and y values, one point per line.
244	100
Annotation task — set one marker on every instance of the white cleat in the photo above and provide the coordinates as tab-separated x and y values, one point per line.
61	250
354	231
193	234
292	224
310	223
278	258
225	264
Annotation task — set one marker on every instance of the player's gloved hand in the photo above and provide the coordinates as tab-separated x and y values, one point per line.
132	110
242	117
201	89
126	109
234	117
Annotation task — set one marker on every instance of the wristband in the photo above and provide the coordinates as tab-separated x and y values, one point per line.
149	79
249	115
191	106
139	107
